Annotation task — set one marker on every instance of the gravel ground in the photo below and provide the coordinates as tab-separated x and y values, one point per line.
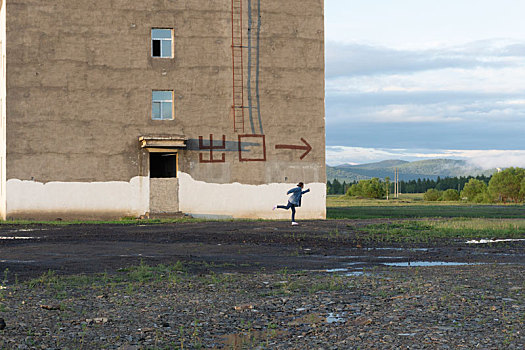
445	307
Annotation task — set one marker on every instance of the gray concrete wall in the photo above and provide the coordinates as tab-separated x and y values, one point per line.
164	195
2	110
80	76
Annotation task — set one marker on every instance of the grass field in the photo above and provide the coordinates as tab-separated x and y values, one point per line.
425	231
343	207
413	206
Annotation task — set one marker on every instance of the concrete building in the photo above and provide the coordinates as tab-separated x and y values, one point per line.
114	108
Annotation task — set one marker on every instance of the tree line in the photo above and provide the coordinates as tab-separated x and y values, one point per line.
413	186
507	186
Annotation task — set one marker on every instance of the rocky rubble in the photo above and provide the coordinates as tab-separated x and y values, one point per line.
475	306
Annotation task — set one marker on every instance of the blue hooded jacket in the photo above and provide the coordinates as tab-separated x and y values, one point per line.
297	194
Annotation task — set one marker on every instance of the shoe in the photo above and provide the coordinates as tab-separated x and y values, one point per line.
294	223
274	207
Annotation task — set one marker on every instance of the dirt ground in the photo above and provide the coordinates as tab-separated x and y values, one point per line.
224	246
254	285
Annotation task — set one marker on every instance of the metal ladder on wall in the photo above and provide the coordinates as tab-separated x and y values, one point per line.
238	67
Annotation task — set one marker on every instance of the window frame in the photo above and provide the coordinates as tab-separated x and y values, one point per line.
172	39
172	101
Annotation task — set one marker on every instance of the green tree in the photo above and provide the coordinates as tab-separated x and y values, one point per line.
505	186
432	195
328	187
474	190
451	195
373	188
337	188
522	190
387	186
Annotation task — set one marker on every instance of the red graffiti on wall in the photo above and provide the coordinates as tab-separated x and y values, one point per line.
256	153
211	147
307	148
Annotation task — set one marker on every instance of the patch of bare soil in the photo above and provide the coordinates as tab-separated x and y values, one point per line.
244	285
229	246
474	306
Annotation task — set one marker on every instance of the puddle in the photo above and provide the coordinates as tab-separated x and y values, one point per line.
335	318
18	261
355	263
316	318
348	273
401	249
486	241
498	254
355	273
27	230
21	237
336	270
134	256
427	263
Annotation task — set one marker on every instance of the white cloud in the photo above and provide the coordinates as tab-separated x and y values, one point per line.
397	77
485	159
416	23
366	60
446	112
481	80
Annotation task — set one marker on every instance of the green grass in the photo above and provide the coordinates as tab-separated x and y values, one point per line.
123	221
139	274
413	206
343	207
429	230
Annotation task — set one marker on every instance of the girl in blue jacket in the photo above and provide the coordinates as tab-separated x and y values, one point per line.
294	200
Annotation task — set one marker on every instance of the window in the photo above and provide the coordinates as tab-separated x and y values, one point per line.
162	165
162	105
162	43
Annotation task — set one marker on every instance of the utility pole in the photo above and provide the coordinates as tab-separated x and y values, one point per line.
399	184
395	183
387	180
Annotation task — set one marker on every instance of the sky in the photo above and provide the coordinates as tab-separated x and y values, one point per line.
421	79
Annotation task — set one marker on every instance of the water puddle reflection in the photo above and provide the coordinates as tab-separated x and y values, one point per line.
486	241
336	270
355	273
401	249
335	318
427	263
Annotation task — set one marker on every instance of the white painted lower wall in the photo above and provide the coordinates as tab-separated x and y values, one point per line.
247	201
82	199
119	198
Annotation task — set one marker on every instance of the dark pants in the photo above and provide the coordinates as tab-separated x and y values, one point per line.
288	206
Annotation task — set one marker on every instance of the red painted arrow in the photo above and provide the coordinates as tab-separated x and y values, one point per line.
307	147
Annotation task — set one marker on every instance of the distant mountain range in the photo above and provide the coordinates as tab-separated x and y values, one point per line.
422	169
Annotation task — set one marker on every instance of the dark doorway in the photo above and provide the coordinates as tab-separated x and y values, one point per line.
162	165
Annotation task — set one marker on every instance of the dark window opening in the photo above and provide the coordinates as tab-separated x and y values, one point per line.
162	165
156	48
